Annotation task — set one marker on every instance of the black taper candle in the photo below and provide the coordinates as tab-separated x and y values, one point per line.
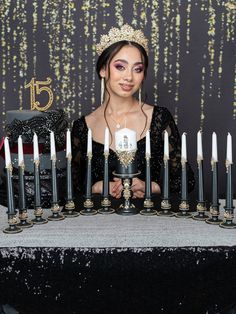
54	181
69	186
215	196
229	190
106	177
166	190
22	200
88	193
200	182
184	191
148	188
10	194
37	185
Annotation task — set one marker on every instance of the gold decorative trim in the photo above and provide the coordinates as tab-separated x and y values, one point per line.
126	157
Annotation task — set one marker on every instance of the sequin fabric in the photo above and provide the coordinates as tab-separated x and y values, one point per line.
161	120
53	120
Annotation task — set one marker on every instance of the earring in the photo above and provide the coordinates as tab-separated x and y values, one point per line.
140	96
102	89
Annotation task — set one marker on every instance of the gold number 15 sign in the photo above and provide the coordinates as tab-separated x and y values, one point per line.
36	88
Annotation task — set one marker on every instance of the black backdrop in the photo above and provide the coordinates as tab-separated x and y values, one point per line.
192	60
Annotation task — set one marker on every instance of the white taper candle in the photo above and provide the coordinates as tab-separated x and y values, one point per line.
36	147
89	142
106	141
166	145
20	152
183	147
68	143
7	152
199	145
148	144
214	156
229	149
52	145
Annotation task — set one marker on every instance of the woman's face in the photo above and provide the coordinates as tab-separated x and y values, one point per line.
126	72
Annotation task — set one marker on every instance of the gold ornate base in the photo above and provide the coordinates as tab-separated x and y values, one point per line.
39	221
56	215
200	216
183	214
165	213
70	210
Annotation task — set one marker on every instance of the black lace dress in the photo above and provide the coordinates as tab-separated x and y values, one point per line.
161	120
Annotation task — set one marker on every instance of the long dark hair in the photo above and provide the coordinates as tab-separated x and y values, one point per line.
104	60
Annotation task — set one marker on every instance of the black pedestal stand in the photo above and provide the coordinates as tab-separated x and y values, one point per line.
214	218
148	208
56	215
183	210
24	223
201	209
39	220
13	228
70	210
88	208
228	219
127	208
106	207
165	209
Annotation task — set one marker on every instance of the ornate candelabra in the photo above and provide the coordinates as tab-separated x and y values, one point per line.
55	208
214	208
184	204
229	208
201	203
23	215
106	203
165	203
88	209
70	205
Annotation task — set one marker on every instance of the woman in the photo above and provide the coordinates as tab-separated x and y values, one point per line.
122	67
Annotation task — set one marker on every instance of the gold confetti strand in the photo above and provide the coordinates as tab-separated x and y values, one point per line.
188	25
54	46
23	61
135	13
143	14
105	14
119	12
94	40
68	75
211	41
220	58
231	20
14	49
177	62
34	28
166	15
234	104
5	55
202	99
155	45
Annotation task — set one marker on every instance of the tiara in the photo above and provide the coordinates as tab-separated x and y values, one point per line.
126	32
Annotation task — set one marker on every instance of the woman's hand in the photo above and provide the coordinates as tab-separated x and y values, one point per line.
97	187
138	188
114	186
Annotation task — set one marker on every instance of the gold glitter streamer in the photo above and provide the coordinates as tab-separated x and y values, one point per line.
119	12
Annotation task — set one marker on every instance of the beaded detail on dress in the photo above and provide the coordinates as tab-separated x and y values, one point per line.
161	120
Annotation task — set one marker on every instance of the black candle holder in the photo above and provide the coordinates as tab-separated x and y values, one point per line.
184	204
148	205
106	203
23	215
201	210
55	208
13	227
38	210
88	209
70	205
228	219
12	219
214	208
229	208
165	209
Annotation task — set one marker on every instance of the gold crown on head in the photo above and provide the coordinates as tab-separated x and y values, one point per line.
126	32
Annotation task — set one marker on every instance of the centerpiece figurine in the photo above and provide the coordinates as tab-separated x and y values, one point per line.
126	168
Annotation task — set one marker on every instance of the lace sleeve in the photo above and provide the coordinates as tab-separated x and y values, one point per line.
175	157
78	160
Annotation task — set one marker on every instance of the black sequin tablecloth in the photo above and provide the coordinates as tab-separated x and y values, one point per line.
116	264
